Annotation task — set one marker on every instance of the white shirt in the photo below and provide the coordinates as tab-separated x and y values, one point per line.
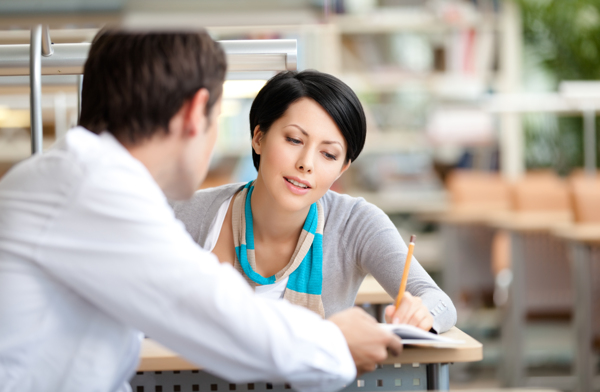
272	291
91	254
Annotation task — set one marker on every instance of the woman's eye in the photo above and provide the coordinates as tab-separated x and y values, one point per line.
330	156
292	140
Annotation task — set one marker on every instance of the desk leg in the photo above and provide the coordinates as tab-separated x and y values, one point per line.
581	255
513	323
438	377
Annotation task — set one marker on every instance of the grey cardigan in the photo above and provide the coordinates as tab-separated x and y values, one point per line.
358	239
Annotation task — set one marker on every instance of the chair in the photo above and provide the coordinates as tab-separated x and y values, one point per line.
585	263
467	240
549	290
541	286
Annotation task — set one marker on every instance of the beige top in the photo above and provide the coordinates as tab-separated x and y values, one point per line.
155	357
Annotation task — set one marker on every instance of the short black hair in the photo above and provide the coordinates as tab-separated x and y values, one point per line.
329	92
135	82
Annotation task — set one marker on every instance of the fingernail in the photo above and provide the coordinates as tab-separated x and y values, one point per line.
396	320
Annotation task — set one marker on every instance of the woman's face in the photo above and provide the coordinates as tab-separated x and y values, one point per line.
301	155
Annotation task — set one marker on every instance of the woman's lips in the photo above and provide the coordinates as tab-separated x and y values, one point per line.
295	189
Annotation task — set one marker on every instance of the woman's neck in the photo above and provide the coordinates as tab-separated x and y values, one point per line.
272	223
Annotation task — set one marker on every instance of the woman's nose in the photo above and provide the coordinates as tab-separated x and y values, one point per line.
305	163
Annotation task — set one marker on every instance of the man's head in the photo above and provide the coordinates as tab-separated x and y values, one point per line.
145	87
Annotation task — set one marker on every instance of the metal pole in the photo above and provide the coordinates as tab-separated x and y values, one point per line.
512	141
438	376
581	259
326	10
69	59
35	80
79	88
47	50
589	141
61	122
512	365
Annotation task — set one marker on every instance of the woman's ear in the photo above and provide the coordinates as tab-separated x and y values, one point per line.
256	139
344	168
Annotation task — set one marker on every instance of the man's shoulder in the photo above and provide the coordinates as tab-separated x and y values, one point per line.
79	157
55	168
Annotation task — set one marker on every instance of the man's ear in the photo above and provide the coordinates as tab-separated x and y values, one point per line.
196	116
257	139
344	168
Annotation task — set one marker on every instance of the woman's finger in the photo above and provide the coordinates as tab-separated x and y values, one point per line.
389	313
422	319
417	317
404	310
426	324
412	305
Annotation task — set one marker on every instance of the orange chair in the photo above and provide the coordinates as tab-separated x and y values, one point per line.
467	240
549	290
541	283
538	192
541	192
585	264
475	190
585	198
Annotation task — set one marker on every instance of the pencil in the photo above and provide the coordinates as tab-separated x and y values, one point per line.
411	247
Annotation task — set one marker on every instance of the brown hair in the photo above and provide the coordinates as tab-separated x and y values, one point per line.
135	82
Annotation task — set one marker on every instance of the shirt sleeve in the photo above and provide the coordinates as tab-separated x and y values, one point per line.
117	244
380	250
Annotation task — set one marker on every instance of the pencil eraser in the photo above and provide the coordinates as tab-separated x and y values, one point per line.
413	238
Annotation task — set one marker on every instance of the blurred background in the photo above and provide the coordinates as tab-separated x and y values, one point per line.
482	140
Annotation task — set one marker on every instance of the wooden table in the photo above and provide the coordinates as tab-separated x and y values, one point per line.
584	244
427	367
371	292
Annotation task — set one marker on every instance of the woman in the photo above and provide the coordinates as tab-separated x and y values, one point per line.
287	233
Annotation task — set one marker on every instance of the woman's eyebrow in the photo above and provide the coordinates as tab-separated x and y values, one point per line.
306	134
300	128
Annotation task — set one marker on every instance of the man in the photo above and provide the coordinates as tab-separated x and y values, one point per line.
91	254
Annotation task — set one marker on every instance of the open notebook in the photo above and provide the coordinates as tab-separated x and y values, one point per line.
414	336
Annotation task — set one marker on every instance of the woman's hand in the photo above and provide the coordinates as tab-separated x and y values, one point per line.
411	311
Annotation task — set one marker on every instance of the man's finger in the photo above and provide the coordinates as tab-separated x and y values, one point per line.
366	368
366	316
395	345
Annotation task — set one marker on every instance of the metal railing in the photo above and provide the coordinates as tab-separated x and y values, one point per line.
42	57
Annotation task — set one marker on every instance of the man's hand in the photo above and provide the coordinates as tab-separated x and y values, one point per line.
366	340
411	311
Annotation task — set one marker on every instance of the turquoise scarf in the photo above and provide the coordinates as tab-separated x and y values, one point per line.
305	269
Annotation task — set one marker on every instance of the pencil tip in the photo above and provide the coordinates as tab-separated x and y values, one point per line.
413	238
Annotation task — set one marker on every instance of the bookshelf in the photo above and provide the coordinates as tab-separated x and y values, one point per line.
451	60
